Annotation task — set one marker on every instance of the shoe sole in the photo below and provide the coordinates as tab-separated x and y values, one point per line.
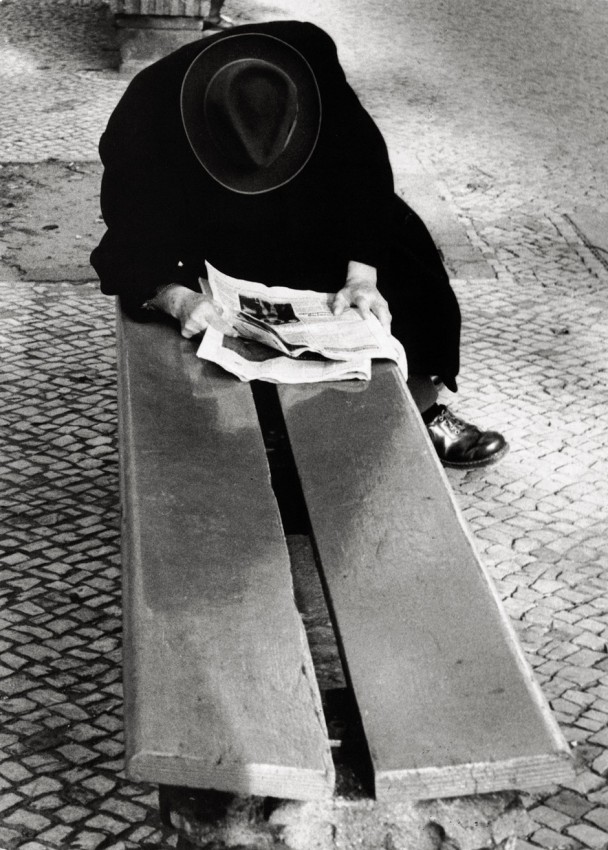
478	464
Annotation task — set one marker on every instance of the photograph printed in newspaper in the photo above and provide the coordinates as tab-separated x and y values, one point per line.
292	336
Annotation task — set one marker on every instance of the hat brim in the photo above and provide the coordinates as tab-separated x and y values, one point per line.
304	137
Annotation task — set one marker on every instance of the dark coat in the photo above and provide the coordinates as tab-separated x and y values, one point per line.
165	215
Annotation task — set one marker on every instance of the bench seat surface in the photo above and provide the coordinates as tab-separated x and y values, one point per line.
219	686
448	704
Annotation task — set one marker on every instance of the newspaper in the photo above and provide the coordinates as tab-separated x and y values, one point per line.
292	336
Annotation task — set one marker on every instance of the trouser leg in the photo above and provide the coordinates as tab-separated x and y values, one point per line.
426	317
423	390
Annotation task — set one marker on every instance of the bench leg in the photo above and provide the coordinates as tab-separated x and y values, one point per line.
164	805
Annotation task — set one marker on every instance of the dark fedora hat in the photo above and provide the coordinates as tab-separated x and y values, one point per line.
251	111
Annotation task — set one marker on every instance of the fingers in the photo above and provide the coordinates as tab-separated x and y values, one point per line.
340	303
191	328
383	314
203	312
195	320
221	319
367	300
364	305
376	306
222	325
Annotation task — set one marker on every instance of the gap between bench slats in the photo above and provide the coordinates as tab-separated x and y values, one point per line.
448	704
219	686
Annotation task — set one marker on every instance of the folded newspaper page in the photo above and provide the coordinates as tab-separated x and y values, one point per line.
291	336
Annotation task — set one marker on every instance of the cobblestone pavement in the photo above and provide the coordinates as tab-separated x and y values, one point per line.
60	692
57	83
505	105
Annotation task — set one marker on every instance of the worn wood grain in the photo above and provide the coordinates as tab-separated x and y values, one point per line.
187	8
447	701
219	686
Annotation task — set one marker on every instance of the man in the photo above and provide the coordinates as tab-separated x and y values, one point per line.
249	149
214	20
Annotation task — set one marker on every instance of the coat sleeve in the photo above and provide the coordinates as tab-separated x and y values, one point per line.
142	199
355	150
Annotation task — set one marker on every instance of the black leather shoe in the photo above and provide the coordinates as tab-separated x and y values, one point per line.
464	446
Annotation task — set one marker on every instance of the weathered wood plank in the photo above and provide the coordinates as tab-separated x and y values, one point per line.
219	686
448	703
185	8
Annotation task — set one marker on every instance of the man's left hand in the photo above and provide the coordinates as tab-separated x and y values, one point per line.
361	291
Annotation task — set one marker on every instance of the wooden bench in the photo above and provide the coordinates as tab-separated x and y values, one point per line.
147	30
220	690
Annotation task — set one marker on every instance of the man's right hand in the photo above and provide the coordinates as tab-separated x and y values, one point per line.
194	311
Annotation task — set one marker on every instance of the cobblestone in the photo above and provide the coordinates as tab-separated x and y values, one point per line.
70	718
588	836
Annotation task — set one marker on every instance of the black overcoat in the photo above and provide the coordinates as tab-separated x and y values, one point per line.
165	215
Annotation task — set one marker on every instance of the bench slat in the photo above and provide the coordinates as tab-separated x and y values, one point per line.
219	686
447	701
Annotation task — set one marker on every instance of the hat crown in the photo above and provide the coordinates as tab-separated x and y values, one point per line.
251	111
251	108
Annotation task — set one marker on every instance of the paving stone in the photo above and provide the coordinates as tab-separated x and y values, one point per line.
142	834
88	840
106	823
77	754
554	840
600	765
34	845
127	810
600	738
149	799
570	803
550	817
7	801
582	676
587	657
587	723
585	782
50	802
599	817
69	814
8	837
14	771
42	785
56	836
579	697
27	819
589	836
